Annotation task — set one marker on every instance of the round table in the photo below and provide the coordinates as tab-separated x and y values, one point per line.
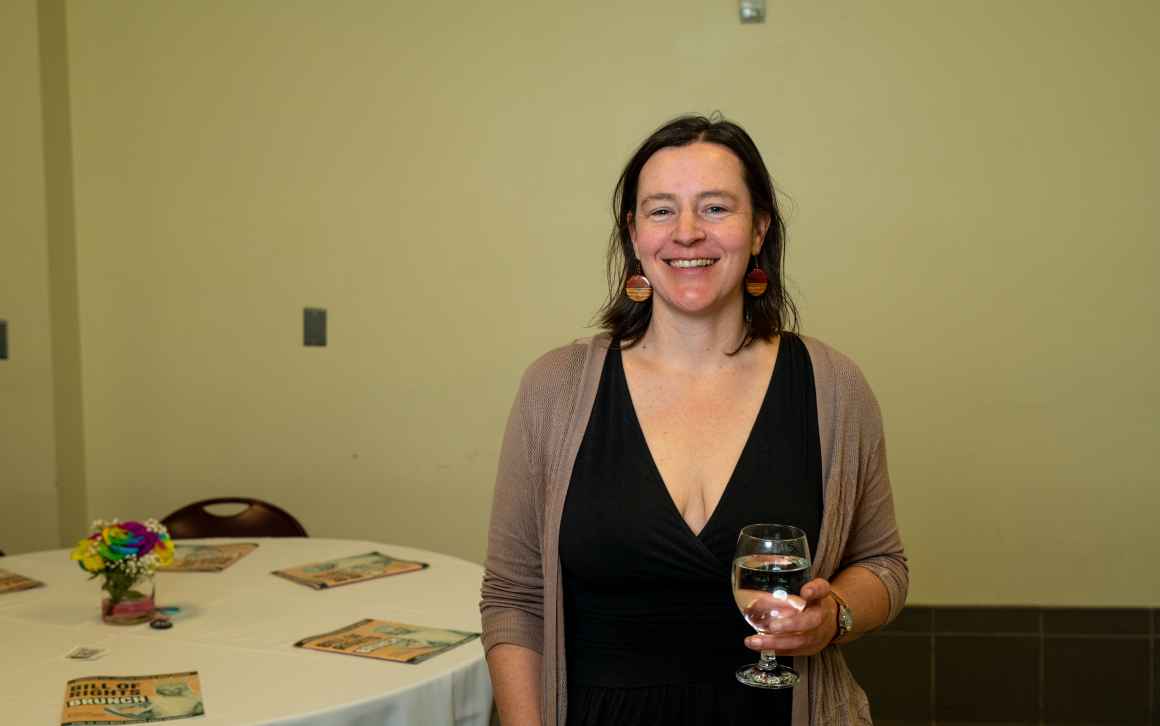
238	627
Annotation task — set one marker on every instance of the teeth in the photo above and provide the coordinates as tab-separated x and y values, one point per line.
691	263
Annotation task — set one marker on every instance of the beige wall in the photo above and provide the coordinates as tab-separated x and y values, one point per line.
969	189
28	499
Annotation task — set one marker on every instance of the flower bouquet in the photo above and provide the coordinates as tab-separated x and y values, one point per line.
126	554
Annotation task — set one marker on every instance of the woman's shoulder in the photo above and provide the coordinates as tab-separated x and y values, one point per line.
839	380
829	359
561	368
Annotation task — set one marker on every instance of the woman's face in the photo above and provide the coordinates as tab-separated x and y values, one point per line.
693	228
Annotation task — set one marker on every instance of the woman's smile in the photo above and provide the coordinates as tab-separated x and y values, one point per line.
693	263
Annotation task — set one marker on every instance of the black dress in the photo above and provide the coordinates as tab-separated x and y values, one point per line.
651	630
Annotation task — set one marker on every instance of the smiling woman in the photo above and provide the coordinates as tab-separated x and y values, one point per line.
632	460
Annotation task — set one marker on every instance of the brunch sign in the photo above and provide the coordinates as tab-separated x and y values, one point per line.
132	699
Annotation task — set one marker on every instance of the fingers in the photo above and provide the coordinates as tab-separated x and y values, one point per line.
778	604
804	642
765	611
790	643
805	621
796	644
791	625
815	589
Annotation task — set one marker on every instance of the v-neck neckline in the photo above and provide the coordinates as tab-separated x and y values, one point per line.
658	478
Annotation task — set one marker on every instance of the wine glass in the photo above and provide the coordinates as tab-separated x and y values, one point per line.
772	562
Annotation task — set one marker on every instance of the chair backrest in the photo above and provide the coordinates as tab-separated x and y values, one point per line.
258	519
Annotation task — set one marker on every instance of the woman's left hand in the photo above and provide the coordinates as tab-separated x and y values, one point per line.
796	625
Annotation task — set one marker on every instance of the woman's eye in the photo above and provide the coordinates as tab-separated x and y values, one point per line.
659	213
716	209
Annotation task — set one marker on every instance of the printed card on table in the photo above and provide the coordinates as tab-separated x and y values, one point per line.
207	557
348	570
11	582
131	699
388	640
82	652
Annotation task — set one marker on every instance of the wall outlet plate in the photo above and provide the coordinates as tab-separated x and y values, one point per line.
314	326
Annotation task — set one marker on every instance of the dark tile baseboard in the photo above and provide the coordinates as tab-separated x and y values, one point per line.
1042	666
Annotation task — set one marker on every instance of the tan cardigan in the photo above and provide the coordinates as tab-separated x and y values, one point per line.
522	583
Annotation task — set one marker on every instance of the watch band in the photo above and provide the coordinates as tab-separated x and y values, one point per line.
845	617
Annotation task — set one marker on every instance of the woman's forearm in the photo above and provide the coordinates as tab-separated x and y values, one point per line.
515	680
867	598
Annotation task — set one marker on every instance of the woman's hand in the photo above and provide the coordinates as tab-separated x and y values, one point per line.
795	625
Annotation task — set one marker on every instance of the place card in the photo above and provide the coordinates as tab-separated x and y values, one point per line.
207	557
388	640
348	570
11	582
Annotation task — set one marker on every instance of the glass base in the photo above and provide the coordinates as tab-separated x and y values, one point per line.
136	607
777	677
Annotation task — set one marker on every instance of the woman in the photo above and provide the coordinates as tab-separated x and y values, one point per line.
631	461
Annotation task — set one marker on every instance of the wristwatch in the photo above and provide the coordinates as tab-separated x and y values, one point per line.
845	616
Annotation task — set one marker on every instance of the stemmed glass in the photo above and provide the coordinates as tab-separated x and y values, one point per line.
772	562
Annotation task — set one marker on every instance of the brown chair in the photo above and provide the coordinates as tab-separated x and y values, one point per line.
258	519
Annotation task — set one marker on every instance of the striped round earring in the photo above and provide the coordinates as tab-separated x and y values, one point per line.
638	288
756	281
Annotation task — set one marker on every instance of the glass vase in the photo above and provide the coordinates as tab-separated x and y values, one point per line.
129	607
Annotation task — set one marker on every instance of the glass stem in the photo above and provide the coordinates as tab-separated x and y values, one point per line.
768	661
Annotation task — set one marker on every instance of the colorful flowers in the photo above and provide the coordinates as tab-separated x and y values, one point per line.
124	552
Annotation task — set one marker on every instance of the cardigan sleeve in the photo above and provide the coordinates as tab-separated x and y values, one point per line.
512	605
875	542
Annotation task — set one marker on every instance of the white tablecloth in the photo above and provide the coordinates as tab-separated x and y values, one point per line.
237	629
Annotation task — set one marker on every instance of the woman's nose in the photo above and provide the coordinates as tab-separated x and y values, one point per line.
688	230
